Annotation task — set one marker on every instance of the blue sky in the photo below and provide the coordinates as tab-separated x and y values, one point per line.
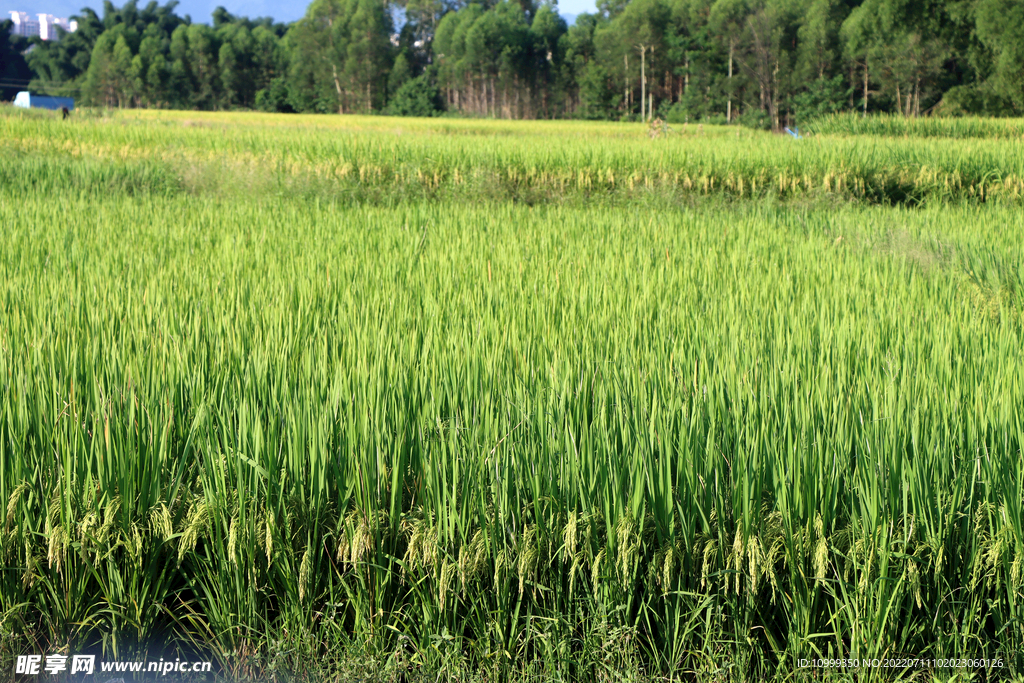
201	10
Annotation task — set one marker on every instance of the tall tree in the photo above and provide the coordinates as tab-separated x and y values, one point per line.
897	42
65	61
369	55
728	23
761	62
14	70
545	55
1001	28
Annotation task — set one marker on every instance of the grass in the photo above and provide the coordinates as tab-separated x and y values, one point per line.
328	430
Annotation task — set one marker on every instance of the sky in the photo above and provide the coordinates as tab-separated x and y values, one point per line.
201	10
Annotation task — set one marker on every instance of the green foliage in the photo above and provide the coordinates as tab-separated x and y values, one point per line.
416	97
822	97
596	101
401	71
153	58
755	119
66	61
778	61
13	68
274	98
1001	28
340	56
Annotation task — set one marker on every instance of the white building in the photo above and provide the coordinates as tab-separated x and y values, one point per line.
48	26
23	26
44	26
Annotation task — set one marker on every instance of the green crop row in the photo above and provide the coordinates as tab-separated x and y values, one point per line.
362	159
926	127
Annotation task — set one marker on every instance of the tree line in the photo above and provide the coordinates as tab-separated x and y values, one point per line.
765	63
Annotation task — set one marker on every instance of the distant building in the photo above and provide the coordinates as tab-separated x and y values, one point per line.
23	26
48	26
44	25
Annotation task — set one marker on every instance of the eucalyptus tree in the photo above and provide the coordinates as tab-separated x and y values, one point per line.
897	42
586	83
455	66
543	64
728	23
108	80
340	56
759	62
1000	26
195	69
641	27
13	68
64	62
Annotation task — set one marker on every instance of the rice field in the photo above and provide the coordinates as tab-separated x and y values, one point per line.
394	160
456	414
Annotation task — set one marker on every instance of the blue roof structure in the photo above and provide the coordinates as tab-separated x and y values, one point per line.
27	100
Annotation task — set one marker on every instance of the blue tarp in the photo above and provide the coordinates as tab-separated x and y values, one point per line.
26	99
